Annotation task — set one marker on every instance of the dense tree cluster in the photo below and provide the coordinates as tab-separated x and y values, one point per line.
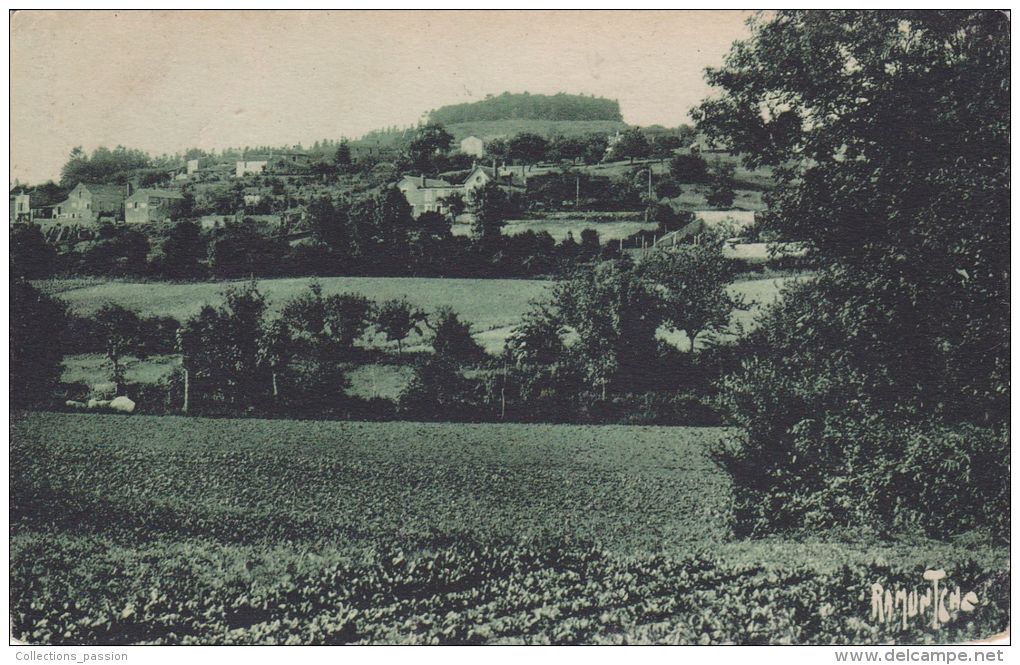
888	132
526	106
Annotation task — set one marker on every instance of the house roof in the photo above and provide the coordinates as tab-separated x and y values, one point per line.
104	190
429	182
163	193
513	180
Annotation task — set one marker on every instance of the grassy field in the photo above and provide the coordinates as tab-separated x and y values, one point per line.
178	530
499	310
486	303
493	307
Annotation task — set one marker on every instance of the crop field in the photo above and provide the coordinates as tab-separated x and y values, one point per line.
188	530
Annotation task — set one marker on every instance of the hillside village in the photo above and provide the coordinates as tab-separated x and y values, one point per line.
524	373
659	177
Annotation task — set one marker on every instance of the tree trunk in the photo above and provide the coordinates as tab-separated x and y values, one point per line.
276	389
184	409
502	396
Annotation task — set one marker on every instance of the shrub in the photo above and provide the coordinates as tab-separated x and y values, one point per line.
452	338
437	390
830	441
37	322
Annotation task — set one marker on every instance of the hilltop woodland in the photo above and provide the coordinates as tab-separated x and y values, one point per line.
875	388
525	106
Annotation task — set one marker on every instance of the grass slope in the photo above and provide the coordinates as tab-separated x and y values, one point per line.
490	129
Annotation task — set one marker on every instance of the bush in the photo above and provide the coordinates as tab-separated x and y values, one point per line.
689	169
35	354
821	449
452	338
437	391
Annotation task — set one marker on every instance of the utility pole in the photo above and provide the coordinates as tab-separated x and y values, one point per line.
577	192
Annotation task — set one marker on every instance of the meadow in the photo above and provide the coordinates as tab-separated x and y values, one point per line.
493	307
191	530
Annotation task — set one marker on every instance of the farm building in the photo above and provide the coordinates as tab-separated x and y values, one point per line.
472	145
149	205
427	194
250	167
89	202
274	161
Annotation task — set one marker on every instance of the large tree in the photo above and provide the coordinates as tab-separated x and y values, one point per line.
430	142
888	133
528	148
691	283
37	323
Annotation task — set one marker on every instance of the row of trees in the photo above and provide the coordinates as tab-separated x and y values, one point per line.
429	149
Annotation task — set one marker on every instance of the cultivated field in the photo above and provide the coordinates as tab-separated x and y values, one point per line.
145	529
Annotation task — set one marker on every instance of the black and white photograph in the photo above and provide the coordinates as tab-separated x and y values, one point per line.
510	327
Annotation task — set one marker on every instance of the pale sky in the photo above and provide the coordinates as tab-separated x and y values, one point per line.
170	80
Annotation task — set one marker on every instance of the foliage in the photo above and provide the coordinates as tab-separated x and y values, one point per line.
721	192
342	158
102	166
119	329
451	337
889	134
397	319
120	252
632	145
29	255
691	283
538	339
240	250
430	141
181	252
689	168
436	391
491	206
224	349
334	322
527	106
36	325
615	315
527	148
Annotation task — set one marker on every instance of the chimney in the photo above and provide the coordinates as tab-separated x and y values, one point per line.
422	179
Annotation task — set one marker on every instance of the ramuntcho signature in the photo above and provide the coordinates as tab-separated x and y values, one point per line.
942	604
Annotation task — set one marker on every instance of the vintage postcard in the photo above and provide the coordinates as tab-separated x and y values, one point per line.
510	328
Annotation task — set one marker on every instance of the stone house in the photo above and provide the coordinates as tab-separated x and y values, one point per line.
88	202
149	205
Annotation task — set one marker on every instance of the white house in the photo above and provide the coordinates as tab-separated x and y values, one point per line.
251	167
473	146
